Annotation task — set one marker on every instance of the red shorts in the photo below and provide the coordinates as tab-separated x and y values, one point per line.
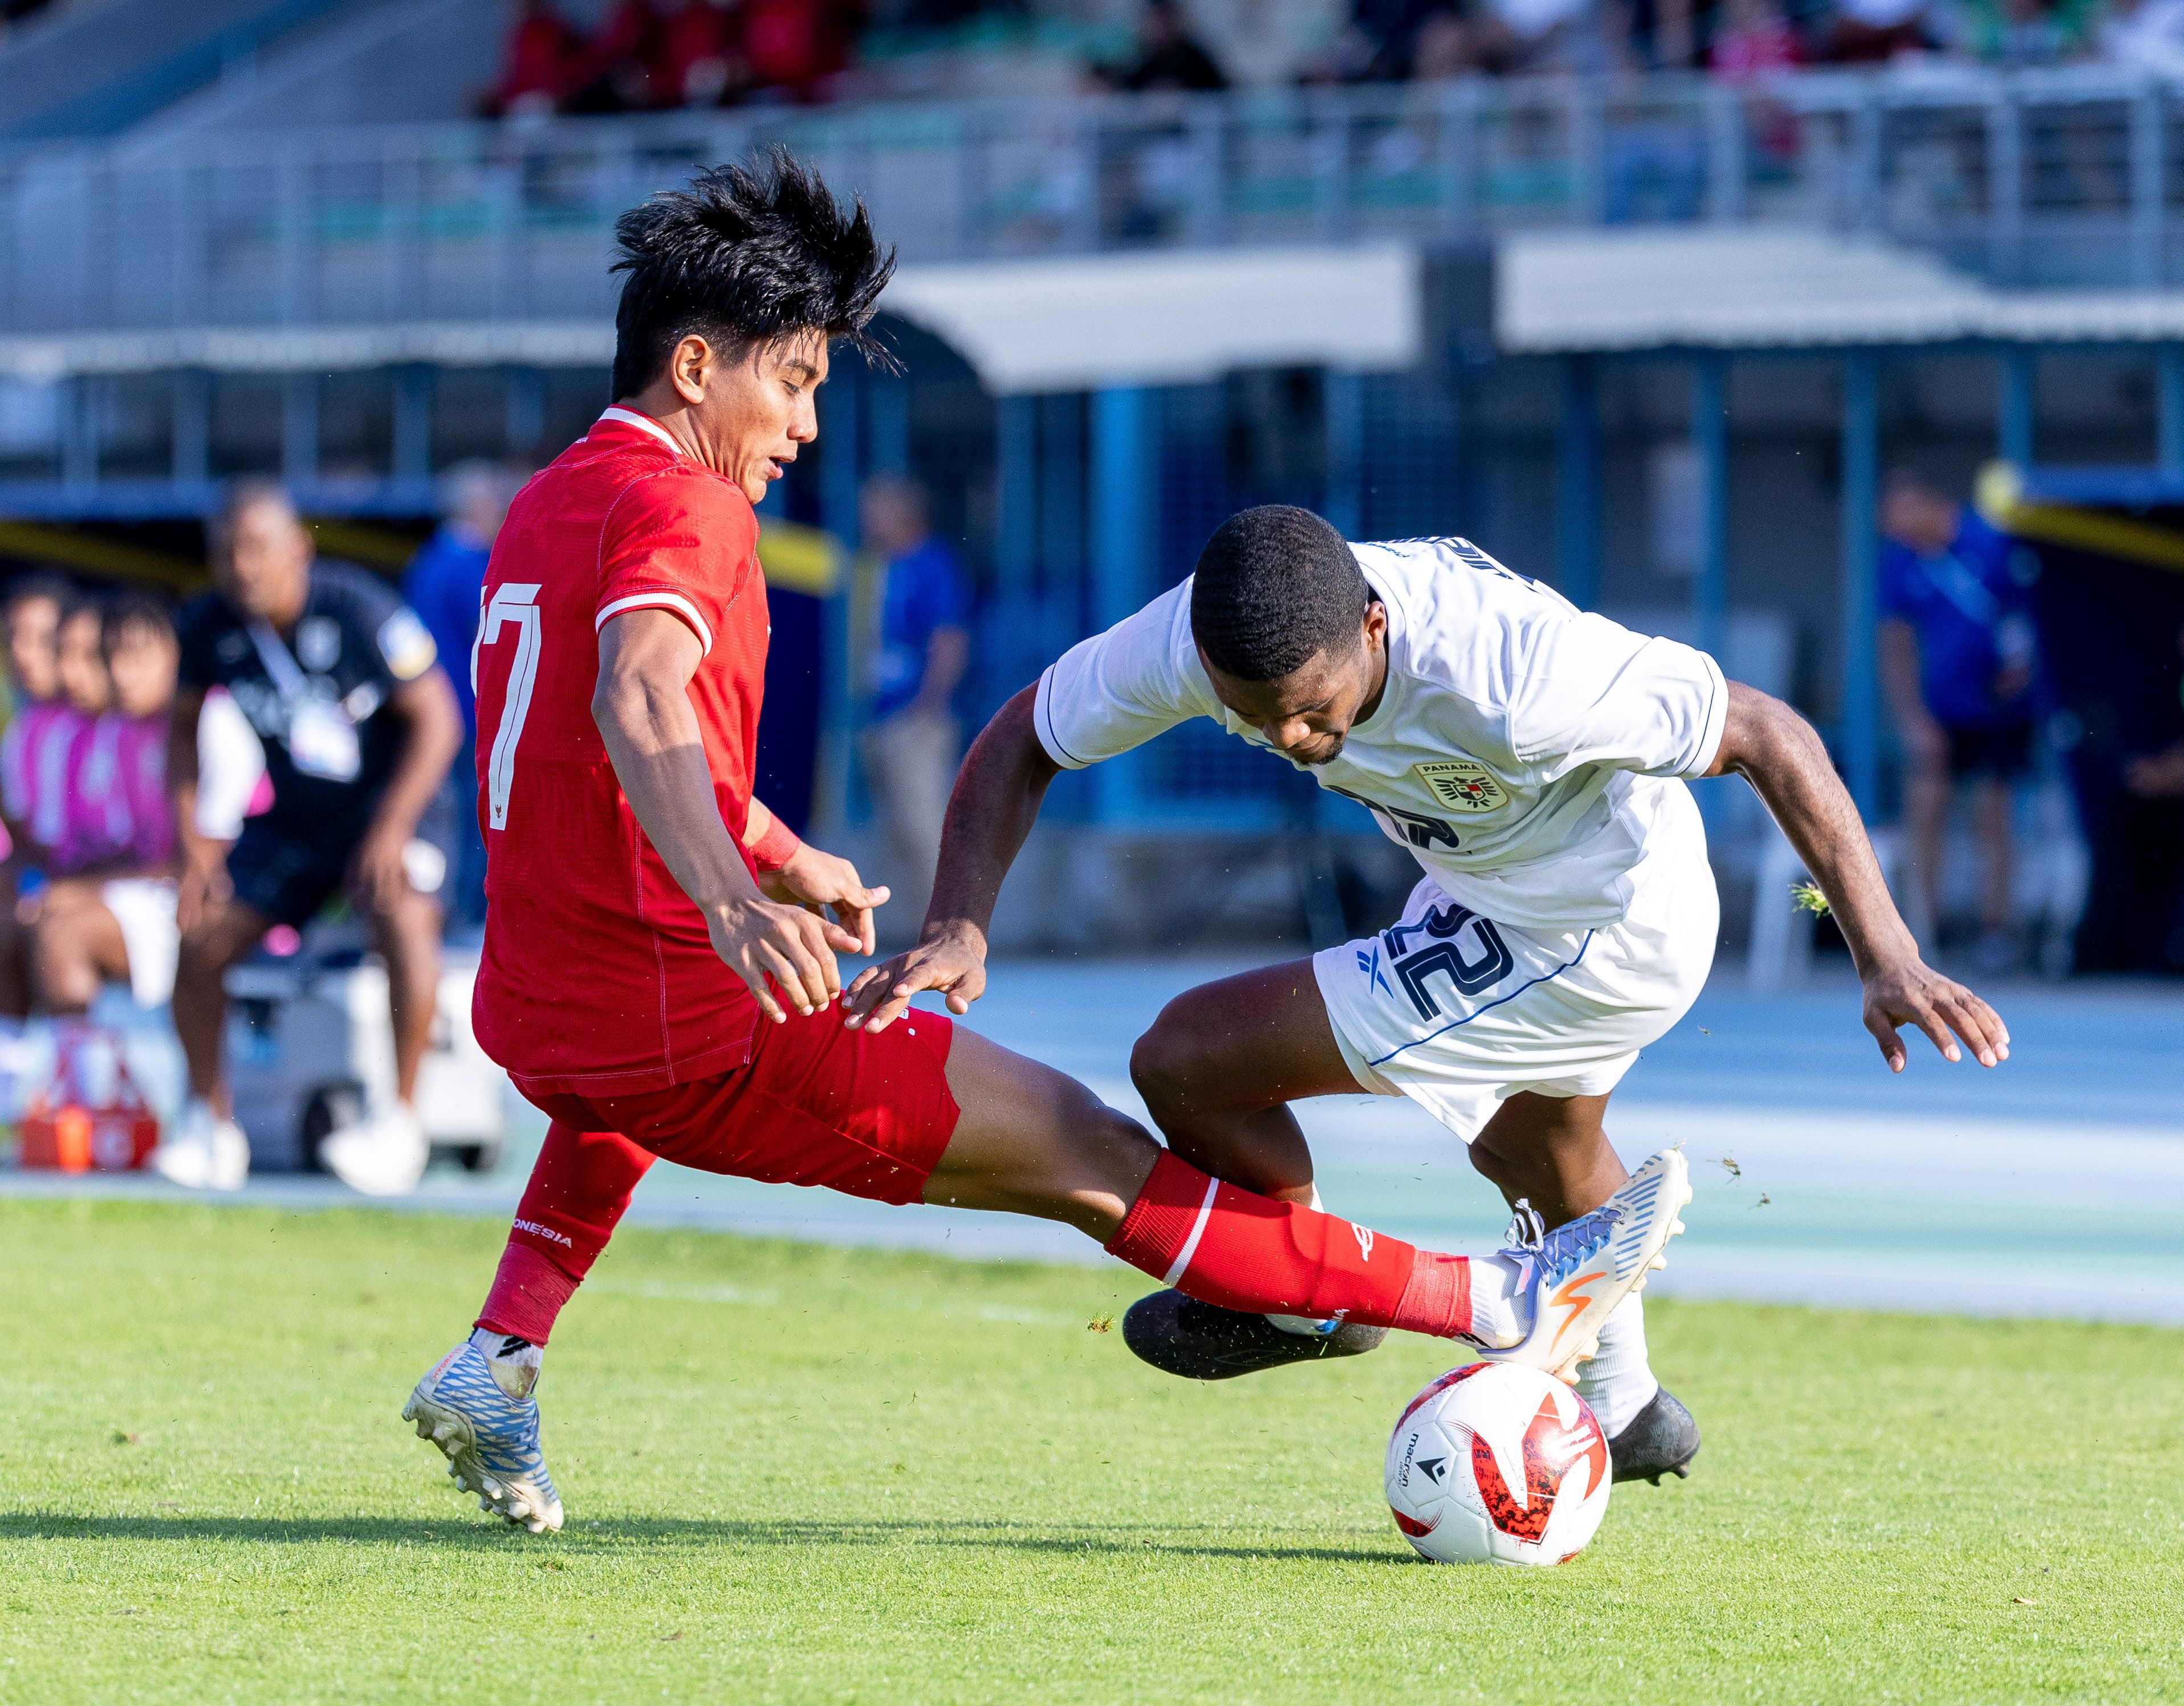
817	1103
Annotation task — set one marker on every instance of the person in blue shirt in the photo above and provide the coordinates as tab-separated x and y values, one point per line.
912	743
442	585
1961	665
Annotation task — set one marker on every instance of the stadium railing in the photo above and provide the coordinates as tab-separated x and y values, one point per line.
2072	176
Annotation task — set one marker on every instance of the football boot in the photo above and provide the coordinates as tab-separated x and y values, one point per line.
1574	1276
489	1438
1204	1341
1660	1440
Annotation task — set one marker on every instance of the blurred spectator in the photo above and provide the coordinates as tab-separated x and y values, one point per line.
616	71
442	584
359	729
2015	33
32	614
1871	32
1168	56
1447	46
2144	36
2159	775
109	912
698	56
1378	44
34	754
1584	36
791	48
912	743
1960	663
544	53
1752	40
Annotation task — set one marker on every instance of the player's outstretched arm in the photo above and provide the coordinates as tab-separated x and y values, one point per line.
1777	751
641	705
996	802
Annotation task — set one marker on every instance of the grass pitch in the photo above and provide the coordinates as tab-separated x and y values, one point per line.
802	1474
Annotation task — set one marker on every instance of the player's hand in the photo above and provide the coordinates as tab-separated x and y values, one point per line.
815	880
952	962
203	887
377	876
760	939
1912	993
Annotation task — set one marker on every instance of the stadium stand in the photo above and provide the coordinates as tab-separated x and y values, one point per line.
1556	312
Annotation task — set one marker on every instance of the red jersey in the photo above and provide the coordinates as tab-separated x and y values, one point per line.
598	976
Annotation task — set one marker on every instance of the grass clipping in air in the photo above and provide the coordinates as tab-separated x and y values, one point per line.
800	1474
1808	898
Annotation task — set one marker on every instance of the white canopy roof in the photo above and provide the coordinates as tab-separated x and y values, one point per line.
1170	317
1733	287
1167	317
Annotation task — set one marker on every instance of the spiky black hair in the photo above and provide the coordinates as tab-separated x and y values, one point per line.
1276	586
745	257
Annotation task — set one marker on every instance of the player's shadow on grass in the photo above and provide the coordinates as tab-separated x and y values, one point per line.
618	1533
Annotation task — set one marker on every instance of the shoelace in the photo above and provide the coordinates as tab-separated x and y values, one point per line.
1572	1241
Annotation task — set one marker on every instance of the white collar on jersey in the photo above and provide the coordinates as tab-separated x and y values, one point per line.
645	423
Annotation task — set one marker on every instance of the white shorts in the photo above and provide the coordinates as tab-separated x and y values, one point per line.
1459	1013
144	908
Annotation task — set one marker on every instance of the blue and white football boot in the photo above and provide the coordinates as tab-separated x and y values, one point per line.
490	1437
1576	1274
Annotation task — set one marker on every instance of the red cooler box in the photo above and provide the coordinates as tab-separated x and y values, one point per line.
91	1116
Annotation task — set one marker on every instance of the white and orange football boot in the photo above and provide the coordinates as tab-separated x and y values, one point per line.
1575	1275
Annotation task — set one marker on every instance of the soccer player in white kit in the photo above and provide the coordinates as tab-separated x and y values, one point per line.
1532	758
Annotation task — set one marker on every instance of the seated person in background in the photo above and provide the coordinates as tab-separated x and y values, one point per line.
358	728
109	911
31	614
1959	661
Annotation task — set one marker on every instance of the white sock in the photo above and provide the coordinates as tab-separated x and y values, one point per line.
1618	1383
515	1362
1498	1317
1304	1326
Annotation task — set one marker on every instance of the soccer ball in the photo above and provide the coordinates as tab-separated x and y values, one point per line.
1496	1464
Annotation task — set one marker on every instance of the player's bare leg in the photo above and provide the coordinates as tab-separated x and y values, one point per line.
1221	1065
1217	1069
1552	1151
1032	1140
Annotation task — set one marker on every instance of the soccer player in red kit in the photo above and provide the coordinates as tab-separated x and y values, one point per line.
659	974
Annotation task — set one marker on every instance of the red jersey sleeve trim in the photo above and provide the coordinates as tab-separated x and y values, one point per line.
657	599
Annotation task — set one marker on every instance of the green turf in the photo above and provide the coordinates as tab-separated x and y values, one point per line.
798	1474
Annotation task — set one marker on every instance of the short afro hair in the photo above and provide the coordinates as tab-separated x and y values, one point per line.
744	257
1276	587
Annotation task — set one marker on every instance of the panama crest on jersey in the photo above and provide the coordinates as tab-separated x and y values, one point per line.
1464	784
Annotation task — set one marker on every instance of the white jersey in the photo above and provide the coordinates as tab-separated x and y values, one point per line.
1521	750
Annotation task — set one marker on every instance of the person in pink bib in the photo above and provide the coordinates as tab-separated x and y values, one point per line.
108	912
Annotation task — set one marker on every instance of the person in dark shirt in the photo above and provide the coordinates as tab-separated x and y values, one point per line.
338	677
1169	56
1960	665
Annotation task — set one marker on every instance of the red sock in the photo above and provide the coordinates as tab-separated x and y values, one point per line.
579	1187
1221	1245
